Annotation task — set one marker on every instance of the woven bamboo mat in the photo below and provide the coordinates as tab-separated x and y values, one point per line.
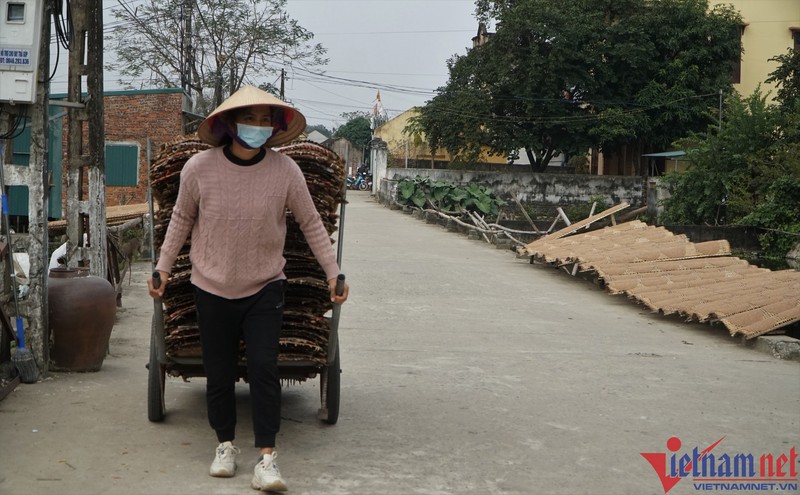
672	275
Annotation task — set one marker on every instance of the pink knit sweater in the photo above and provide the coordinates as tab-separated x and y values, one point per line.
236	215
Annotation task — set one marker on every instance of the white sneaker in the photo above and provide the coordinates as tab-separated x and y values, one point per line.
224	465
267	478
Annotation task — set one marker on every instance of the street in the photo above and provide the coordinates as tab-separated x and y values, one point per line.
464	370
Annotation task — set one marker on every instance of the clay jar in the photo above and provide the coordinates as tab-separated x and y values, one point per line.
81	312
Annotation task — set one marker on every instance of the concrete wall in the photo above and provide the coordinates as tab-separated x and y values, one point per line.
553	189
378	155
347	151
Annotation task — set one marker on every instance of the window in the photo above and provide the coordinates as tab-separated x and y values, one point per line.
16	12
122	164
796	38
736	72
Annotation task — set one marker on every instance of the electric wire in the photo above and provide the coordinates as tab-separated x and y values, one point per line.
64	31
302	73
62	19
15	130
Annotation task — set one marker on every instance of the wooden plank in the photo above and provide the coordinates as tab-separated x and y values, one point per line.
527	217
591	212
564	216
8	387
578	225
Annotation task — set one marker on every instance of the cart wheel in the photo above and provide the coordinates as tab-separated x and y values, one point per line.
156	376
330	385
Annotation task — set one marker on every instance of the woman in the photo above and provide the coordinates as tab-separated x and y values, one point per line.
232	199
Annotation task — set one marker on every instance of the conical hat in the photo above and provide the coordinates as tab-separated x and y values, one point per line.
295	122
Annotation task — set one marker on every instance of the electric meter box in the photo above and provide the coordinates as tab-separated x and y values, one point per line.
20	30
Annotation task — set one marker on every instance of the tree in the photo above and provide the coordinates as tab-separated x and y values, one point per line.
688	57
454	118
211	48
536	73
747	171
560	77
787	78
356	129
728	174
733	168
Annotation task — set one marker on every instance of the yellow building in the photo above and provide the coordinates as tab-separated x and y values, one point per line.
770	28
413	151
405	150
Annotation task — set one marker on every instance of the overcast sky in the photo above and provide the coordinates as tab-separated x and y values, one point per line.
397	47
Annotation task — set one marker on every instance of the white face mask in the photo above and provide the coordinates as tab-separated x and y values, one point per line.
252	135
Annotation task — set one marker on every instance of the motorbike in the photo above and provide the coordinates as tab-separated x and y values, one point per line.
362	182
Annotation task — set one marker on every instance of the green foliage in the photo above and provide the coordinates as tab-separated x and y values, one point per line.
579	163
356	129
582	210
748	172
561	77
134	232
730	169
453	119
444	196
780	214
787	78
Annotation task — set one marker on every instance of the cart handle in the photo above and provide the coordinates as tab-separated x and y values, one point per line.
339	290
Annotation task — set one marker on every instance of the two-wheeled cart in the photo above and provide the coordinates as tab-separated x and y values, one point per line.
162	364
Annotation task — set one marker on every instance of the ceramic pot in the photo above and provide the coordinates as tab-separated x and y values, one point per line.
81	312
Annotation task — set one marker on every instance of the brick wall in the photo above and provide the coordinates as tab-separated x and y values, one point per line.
134	118
130	118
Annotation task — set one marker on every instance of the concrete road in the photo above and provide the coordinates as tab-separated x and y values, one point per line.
465	370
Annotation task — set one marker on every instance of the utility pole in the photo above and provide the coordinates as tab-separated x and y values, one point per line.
283	76
720	110
184	65
86	212
33	307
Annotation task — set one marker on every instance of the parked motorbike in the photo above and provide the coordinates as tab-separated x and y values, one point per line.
362	182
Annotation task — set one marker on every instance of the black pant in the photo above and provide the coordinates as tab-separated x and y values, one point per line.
223	323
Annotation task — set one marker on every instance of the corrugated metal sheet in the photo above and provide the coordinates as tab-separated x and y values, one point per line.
669	274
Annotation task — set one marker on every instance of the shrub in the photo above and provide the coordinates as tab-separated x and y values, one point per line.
447	197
